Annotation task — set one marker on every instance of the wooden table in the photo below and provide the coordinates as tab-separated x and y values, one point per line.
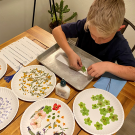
45	39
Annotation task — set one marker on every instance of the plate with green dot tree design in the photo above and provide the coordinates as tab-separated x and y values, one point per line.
98	112
48	117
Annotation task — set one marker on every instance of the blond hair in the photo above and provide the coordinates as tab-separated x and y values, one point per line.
106	15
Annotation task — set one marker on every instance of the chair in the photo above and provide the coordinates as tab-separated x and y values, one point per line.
126	23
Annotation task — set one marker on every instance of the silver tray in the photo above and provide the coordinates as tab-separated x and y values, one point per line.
74	78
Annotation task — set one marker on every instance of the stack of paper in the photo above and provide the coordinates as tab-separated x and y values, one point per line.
21	52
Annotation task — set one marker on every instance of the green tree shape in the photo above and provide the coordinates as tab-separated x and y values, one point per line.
113	117
103	111
95	106
100	97
101	104
85	111
94	98
105	120
83	69
47	109
110	109
87	121
98	126
81	104
107	102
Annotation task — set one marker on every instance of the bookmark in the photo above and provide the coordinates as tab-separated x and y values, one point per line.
65	61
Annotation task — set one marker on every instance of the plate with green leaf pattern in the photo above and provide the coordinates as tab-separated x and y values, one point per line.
47	116
98	112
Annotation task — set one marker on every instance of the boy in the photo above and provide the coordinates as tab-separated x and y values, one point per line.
98	35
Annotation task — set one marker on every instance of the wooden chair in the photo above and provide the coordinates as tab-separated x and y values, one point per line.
126	23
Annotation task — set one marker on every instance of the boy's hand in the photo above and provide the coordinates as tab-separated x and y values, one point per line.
97	69
75	61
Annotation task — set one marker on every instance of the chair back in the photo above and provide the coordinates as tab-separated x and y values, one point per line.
126	23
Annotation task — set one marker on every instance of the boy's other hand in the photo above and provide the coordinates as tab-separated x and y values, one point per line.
97	69
75	61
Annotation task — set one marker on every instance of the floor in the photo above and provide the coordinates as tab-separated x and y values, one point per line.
128	127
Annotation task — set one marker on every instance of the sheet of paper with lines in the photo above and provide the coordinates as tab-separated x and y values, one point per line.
21	52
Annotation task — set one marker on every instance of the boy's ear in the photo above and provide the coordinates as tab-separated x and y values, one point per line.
121	27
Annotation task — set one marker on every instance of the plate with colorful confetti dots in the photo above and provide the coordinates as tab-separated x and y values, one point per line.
34	82
3	68
47	116
98	112
9	105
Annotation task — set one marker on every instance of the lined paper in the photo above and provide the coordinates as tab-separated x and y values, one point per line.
10	60
23	51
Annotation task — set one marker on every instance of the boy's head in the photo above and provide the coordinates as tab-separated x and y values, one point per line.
106	15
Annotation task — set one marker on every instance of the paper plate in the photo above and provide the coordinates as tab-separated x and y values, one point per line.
33	83
47	116
9	105
3	68
97	105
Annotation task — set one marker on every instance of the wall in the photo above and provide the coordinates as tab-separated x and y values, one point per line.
15	18
43	6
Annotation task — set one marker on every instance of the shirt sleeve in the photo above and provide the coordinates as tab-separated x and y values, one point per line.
73	30
124	55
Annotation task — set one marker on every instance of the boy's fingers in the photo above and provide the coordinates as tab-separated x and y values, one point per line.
90	71
73	68
94	74
80	63
89	68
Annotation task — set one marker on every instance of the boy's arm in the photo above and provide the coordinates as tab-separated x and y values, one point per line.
125	72
74	59
61	39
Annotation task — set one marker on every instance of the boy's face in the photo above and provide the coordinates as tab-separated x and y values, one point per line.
97	37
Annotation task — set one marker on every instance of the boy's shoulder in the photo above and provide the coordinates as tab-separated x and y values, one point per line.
78	23
73	29
119	39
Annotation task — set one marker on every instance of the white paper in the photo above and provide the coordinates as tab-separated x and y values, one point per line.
10	60
27	46
33	44
7	50
23	51
26	51
16	54
65	61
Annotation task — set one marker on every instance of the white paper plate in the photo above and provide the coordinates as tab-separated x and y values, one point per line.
16	84
9	105
3	68
94	114
64	112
